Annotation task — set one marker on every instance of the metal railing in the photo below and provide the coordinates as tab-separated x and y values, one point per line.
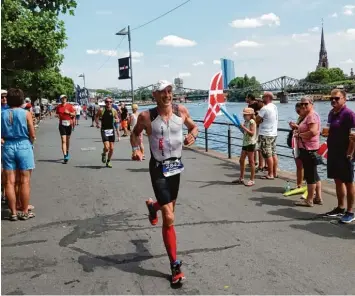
204	135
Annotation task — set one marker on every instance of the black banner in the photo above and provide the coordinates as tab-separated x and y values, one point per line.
123	66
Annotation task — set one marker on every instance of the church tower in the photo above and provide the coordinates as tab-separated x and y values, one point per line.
323	57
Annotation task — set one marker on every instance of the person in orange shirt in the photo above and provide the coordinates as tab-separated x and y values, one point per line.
66	113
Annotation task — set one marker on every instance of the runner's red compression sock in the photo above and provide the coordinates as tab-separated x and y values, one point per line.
156	206
169	237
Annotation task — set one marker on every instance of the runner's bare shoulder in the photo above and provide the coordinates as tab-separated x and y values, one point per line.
183	111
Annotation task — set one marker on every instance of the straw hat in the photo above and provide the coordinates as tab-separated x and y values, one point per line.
248	111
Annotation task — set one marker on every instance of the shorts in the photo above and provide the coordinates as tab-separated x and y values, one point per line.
17	155
37	115
340	167
267	146
124	123
77	116
309	166
166	189
65	130
249	148
105	138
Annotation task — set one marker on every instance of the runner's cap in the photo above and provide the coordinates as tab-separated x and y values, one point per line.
4	92
63	96
161	85
27	100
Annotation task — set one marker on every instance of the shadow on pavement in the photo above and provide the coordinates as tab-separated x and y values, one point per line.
121	159
93	167
51	160
211	183
272	201
141	170
270	189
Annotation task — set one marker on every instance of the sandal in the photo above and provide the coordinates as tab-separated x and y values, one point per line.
238	181
303	203
26	216
267	177
318	201
249	183
13	218
30	208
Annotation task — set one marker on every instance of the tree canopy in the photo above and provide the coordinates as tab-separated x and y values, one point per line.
32	39
240	83
325	76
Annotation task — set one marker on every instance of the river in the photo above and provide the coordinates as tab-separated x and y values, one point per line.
286	114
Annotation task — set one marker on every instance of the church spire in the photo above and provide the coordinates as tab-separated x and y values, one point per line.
323	56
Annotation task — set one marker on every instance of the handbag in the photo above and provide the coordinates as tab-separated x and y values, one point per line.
314	156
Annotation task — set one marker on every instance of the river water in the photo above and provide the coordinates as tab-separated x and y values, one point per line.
219	132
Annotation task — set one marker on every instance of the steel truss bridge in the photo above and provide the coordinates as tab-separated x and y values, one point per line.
281	86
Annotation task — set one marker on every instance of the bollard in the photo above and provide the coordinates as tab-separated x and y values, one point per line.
229	143
206	140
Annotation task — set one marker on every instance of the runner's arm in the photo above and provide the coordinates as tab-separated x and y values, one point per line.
138	129
31	128
191	126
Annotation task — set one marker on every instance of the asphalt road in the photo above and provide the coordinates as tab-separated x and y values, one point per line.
91	234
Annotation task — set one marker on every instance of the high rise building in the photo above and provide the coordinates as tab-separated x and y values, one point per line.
228	71
323	56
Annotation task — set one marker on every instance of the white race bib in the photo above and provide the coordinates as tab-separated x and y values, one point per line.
172	167
109	132
66	122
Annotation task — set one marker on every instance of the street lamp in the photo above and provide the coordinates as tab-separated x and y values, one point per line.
127	32
83	76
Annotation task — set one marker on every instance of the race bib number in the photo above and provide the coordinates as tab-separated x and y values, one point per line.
109	132
66	122
172	167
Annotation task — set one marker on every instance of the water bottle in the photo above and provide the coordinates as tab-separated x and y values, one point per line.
287	187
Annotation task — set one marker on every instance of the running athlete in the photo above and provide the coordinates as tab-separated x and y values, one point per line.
133	122
65	112
108	117
164	125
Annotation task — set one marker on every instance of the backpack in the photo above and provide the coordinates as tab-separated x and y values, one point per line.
289	139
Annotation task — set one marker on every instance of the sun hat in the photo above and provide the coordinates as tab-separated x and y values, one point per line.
248	111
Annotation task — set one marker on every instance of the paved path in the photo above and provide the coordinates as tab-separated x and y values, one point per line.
92	236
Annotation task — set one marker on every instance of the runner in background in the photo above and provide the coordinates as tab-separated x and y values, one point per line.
133	122
124	119
117	124
66	113
78	109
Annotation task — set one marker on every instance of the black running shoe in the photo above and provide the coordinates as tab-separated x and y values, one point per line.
103	157
336	212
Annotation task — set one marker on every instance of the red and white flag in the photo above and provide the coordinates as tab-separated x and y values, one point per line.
215	98
323	150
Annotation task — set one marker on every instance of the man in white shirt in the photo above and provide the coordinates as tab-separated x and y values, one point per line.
268	119
37	111
77	108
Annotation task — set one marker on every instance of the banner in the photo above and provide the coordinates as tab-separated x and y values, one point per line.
123	66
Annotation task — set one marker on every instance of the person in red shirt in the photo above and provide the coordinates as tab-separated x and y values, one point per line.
66	113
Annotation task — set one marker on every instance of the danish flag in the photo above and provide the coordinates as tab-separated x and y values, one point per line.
323	150
215	98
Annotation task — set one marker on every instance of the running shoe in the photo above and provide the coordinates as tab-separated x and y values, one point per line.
66	158
336	212
348	218
153	217
103	157
108	164
177	276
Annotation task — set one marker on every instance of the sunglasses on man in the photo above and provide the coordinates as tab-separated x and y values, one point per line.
335	98
108	102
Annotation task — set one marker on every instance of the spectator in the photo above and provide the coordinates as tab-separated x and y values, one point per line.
268	119
299	166
4	105
18	135
37	111
250	100
124	119
259	160
340	162
307	137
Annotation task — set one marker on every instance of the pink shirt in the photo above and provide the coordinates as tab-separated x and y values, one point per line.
312	143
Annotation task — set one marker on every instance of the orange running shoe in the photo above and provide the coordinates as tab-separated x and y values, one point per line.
177	276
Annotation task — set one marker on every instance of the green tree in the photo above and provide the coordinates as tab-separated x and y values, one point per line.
56	6
239	83
325	76
104	92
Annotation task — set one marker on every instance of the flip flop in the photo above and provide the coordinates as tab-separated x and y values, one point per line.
238	181
249	183
303	203
267	178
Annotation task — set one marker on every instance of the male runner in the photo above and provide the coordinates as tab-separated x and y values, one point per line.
163	125
65	112
108	117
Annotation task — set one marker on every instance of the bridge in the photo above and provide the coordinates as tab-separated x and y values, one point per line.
281	86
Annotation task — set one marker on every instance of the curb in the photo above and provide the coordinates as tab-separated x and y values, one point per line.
327	187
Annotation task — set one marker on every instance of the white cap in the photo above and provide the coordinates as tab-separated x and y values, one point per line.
27	100
161	85
3	91
63	96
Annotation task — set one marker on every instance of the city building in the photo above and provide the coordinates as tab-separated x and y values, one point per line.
323	56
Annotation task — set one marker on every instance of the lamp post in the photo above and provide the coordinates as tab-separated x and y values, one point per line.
127	32
82	76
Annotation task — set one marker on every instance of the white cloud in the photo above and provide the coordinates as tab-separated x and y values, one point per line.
216	62
314	29
269	19
348	61
114	53
110	53
348	9
334	15
103	12
185	74
235	53
349	34
135	54
247	43
166	66
135	61
175	41
92	51
199	63
300	37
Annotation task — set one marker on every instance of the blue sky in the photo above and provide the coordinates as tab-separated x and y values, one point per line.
265	38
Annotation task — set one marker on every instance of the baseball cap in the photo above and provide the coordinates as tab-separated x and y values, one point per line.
4	92
161	85
27	100
63	96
